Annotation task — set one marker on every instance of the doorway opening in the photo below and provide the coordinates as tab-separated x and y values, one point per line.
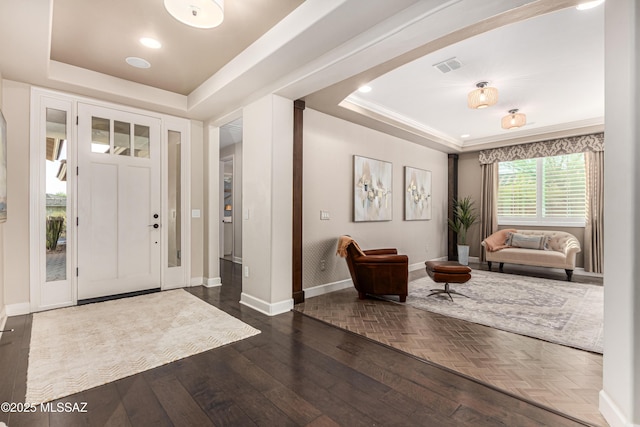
231	191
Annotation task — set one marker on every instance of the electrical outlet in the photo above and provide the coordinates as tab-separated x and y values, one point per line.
325	216
323	265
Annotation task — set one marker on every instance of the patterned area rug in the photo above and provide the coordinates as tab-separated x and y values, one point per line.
561	312
77	348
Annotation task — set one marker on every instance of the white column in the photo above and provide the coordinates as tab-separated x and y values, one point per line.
620	395
212	202
197	170
267	205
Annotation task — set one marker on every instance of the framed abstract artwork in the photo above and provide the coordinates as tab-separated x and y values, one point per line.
417	195
372	199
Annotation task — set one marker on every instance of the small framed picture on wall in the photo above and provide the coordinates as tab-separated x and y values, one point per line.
417	195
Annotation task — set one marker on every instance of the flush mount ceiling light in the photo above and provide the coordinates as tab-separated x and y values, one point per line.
134	61
197	13
364	89
589	4
482	97
514	120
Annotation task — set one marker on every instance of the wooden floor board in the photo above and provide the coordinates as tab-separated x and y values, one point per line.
141	405
299	371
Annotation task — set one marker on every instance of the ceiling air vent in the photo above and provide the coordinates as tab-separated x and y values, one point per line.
450	64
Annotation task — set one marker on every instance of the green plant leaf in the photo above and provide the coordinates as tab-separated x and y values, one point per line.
464	216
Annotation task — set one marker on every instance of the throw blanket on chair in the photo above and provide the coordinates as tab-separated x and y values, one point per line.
343	243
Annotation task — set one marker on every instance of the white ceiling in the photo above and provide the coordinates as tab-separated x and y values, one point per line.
550	66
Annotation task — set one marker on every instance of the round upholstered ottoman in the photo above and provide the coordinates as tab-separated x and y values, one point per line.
447	272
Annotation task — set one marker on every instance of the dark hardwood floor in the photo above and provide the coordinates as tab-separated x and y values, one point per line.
297	372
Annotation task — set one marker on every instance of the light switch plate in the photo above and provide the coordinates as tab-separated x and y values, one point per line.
325	216
195	213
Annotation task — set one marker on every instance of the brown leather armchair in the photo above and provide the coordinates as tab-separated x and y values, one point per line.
378	271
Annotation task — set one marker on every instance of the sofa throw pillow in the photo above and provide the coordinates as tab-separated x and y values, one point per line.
524	241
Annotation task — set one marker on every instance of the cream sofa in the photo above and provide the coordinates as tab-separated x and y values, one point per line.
561	252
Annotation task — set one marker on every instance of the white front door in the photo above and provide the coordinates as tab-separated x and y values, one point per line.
119	207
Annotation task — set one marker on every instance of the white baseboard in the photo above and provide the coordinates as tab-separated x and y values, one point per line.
18	309
196	281
265	307
416	266
612	413
212	282
421	265
315	291
3	319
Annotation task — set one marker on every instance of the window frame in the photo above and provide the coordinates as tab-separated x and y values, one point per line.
539	220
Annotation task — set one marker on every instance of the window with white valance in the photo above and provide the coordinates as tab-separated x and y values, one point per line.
557	182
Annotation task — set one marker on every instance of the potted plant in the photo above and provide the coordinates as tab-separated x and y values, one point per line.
464	216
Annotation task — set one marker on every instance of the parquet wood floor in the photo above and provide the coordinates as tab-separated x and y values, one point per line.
555	376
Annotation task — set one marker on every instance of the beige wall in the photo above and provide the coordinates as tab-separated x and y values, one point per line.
469	184
329	147
2	270
16	109
3	312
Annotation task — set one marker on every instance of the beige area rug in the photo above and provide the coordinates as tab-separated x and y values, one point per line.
561	312
77	348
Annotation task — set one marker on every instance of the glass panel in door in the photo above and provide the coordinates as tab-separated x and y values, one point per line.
100	135
121	138
141	141
174	200
56	194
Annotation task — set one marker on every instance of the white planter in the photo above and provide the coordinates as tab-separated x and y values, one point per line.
463	254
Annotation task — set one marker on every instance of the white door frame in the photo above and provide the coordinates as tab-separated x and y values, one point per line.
177	277
41	298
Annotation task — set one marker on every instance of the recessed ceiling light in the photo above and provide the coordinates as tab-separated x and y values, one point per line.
466	135
364	89
149	42
134	61
589	4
